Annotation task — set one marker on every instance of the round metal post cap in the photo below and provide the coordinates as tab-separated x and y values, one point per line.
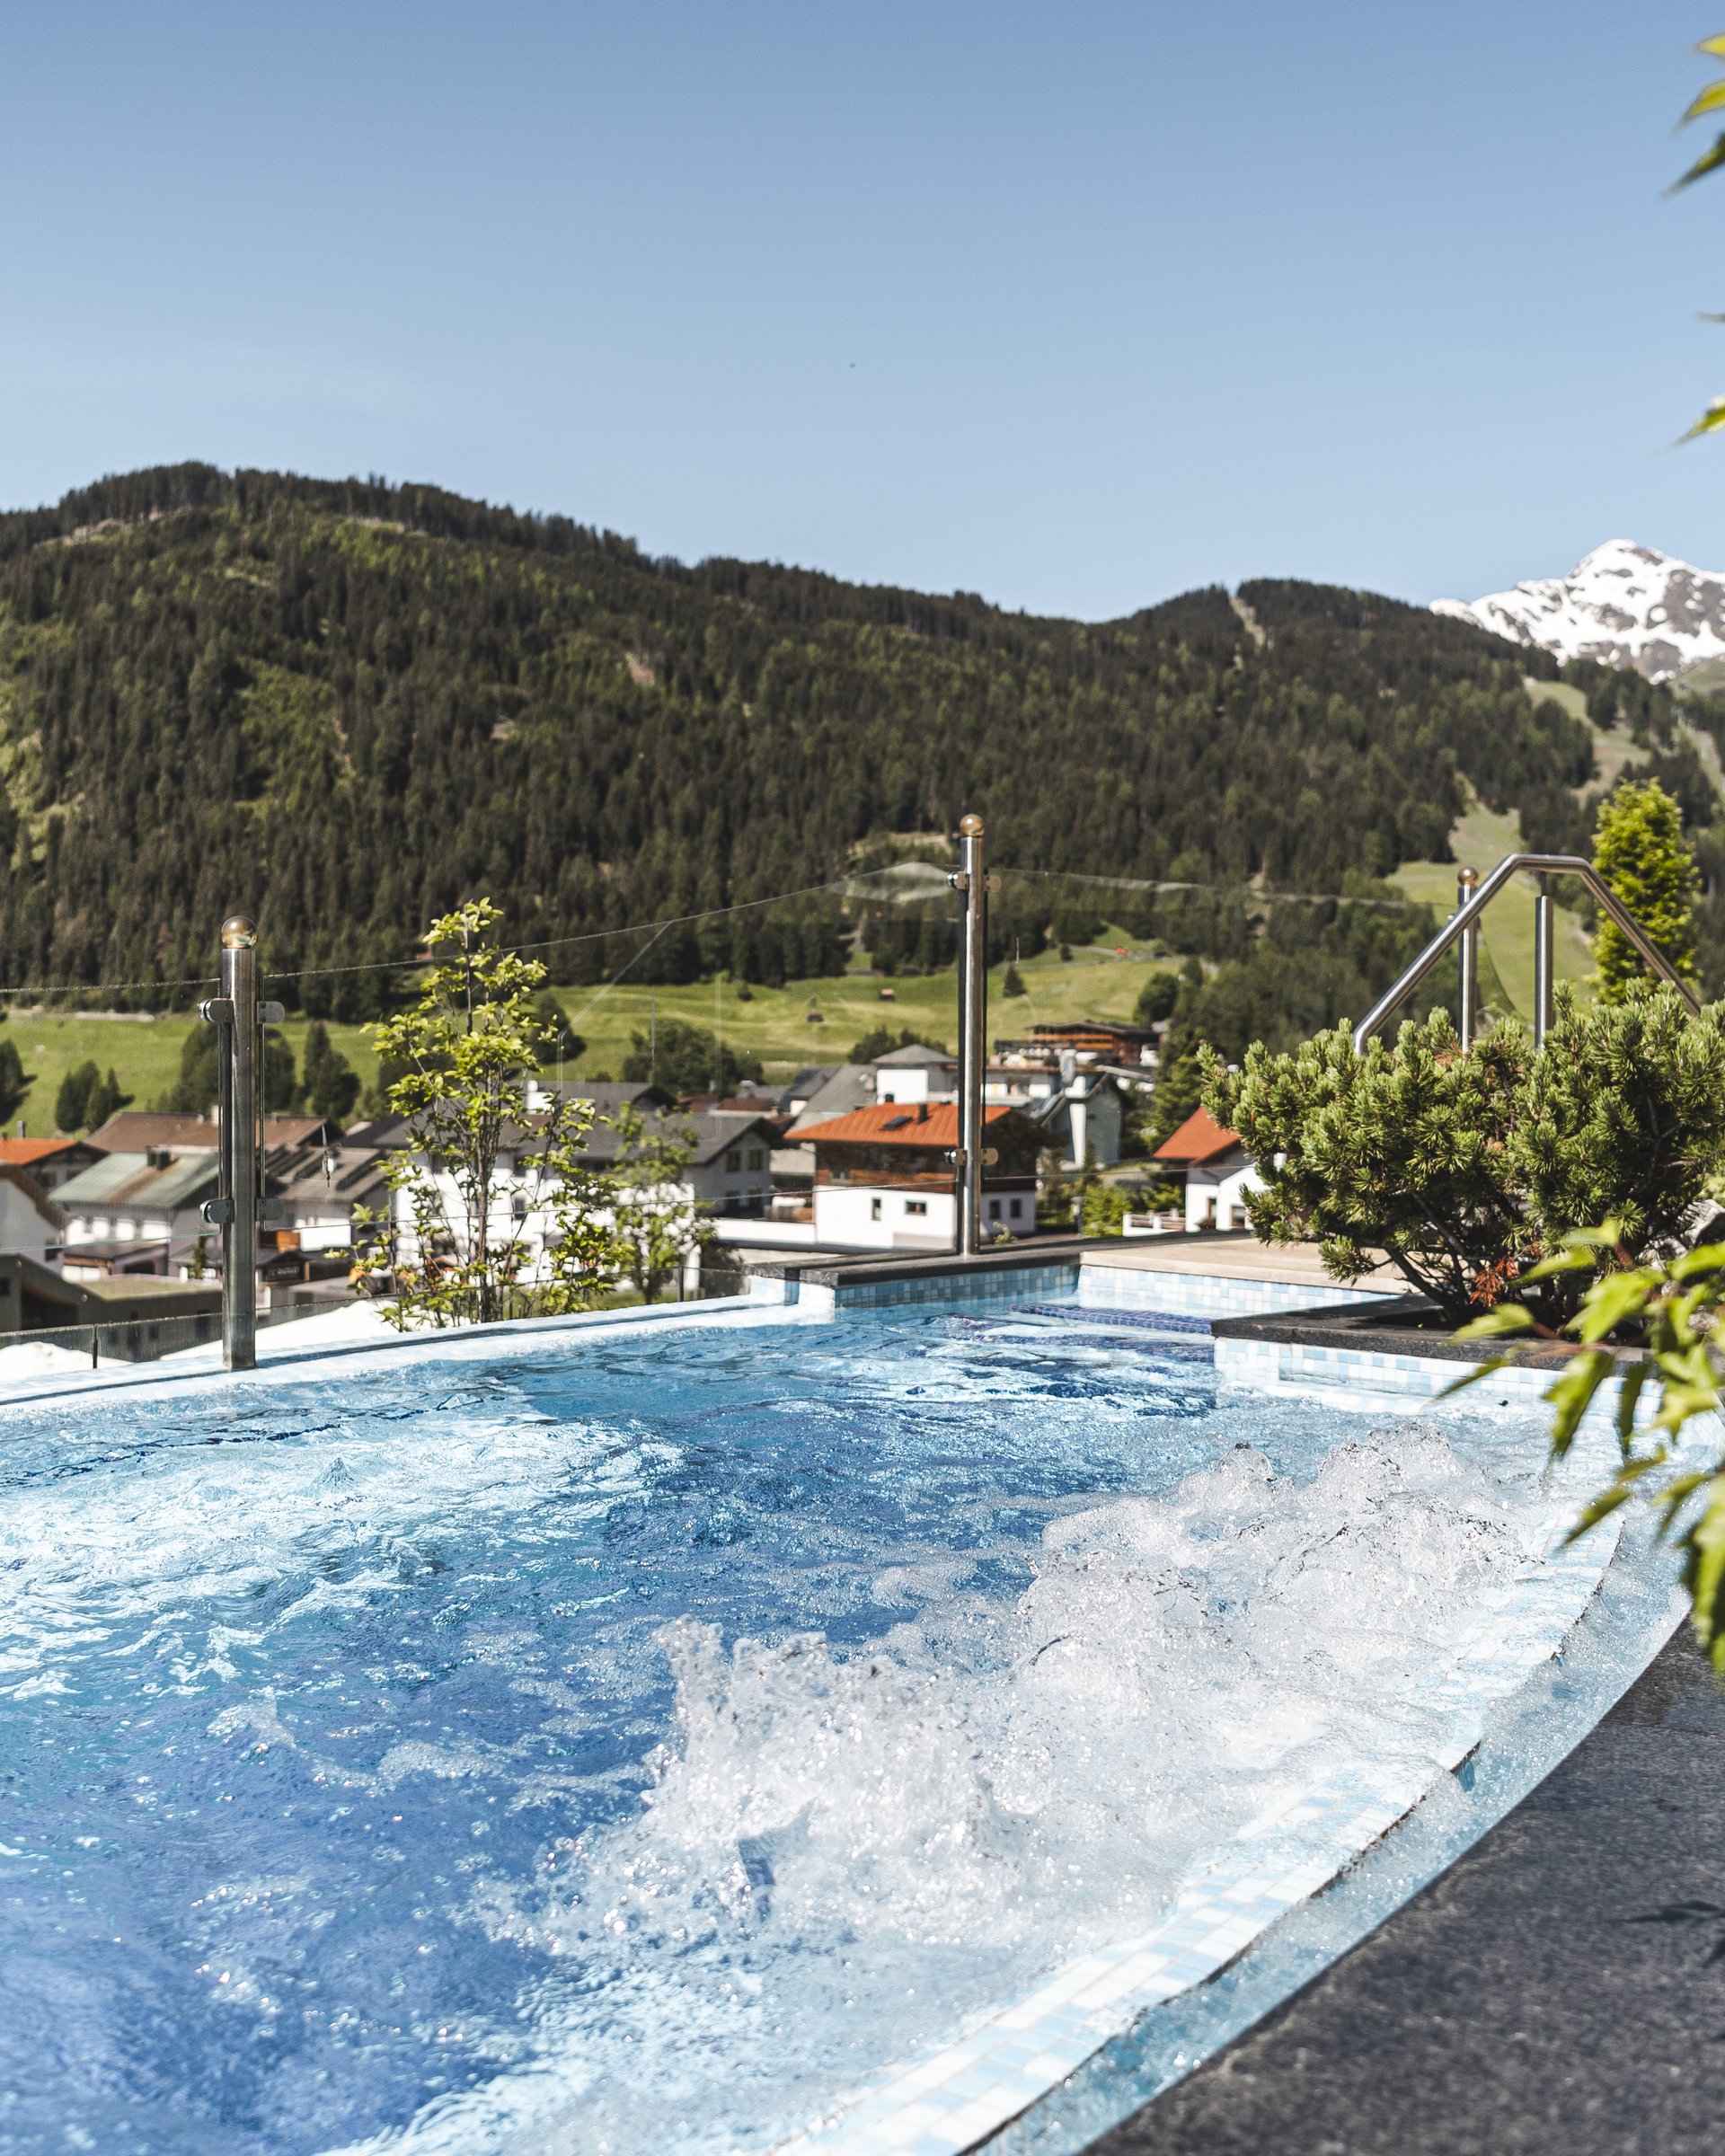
1467	876
239	933
970	826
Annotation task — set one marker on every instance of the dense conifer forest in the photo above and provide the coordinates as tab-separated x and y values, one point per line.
345	706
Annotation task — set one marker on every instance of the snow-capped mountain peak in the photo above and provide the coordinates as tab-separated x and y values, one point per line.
1625	605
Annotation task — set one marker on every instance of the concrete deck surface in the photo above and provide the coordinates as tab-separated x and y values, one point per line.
1233	1258
1558	1992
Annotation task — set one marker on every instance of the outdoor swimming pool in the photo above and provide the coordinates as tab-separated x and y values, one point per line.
639	1744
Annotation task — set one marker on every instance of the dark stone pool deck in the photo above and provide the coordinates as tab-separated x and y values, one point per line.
1558	1992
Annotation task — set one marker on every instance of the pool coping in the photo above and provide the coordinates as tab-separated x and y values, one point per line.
1376	1331
448	1339
1521	1999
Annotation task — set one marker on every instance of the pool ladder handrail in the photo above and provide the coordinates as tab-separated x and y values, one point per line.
1473	896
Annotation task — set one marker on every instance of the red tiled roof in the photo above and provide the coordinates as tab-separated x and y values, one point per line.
896	1123
20	1152
1199	1138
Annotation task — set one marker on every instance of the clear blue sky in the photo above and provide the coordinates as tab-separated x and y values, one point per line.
1076	305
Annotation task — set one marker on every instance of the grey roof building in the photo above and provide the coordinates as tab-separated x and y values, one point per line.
915	1055
850	1087
131	1208
731	1169
796	1096
318	1190
606	1094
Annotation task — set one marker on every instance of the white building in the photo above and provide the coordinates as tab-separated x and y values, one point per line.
1079	1101
136	1211
729	1176
31	1223
1219	1171
915	1073
884	1177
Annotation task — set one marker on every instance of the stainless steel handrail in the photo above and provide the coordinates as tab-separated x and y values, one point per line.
973	1035
1465	919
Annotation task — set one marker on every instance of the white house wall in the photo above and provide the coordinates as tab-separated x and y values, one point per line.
529	1230
850	1214
881	1219
1215	1196
21	1226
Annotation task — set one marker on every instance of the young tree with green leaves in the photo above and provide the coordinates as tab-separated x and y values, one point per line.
1639	852
496	1209
563	1044
648	1196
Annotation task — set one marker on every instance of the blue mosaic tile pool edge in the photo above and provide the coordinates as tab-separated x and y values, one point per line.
1104	1287
1364	1375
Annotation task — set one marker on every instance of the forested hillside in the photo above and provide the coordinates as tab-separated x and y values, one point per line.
346	705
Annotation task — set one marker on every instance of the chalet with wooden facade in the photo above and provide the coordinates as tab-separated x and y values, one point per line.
884	1176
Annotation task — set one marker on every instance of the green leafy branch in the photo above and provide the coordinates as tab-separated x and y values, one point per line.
1710	99
1672	1305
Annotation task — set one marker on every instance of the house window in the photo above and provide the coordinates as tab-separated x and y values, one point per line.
518	1206
1018	1208
757	1158
994	1208
916	1205
733	1162
874	1208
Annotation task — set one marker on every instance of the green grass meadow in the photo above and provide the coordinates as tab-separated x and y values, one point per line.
1480	840
775	1023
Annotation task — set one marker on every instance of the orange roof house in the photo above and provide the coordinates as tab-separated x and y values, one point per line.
50	1162
893	1140
1200	1140
1220	1173
884	1174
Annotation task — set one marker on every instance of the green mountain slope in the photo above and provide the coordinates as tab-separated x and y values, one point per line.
344	706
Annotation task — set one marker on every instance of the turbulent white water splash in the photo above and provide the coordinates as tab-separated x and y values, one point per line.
844	1857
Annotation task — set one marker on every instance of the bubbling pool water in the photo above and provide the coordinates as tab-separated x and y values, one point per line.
636	1752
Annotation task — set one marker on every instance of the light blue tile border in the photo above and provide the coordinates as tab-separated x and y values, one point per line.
1104	1287
1365	1378
987	1289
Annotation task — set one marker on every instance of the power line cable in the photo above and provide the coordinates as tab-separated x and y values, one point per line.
1246	891
598	935
717	913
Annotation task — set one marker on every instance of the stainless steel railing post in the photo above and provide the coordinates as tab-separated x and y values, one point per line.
1466	881
973	1012
239	1144
1544	929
